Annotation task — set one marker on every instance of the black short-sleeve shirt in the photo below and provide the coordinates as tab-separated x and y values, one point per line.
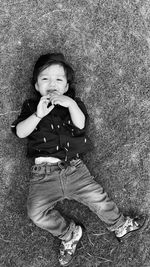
55	135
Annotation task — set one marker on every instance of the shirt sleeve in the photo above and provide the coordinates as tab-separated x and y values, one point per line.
25	113
75	130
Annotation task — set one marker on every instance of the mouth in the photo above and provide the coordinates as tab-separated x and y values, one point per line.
49	92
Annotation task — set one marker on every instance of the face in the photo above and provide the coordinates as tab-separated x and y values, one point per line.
52	80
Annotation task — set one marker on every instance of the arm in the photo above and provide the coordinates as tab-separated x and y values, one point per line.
26	127
77	116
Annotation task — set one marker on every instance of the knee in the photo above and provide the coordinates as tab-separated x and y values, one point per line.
33	213
33	216
39	216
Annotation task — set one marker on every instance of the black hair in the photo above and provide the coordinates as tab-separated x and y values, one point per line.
49	59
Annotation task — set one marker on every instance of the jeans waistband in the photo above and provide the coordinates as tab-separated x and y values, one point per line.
50	167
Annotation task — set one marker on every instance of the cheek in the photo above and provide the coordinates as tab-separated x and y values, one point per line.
42	85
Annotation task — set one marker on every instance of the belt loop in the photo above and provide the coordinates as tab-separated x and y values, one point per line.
60	165
47	168
63	164
38	168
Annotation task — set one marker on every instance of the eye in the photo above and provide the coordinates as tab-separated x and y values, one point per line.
59	80
44	79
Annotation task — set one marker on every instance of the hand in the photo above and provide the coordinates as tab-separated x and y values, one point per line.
42	109
61	100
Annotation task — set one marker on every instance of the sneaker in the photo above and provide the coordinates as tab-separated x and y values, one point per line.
129	226
68	248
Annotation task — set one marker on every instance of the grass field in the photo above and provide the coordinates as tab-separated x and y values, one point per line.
108	44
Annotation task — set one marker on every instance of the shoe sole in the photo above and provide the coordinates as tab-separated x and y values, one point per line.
67	264
121	239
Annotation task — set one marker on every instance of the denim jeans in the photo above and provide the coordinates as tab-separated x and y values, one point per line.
51	183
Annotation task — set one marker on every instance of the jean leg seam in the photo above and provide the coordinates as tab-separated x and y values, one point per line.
87	204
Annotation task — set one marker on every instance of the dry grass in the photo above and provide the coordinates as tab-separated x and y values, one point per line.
108	45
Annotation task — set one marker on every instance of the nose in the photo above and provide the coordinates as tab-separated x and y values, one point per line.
51	87
51	83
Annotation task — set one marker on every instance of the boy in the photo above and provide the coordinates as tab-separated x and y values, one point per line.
55	124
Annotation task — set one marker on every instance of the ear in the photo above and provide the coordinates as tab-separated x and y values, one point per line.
67	87
36	87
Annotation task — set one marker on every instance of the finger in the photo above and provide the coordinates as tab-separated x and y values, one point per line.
57	102
54	95
53	100
44	103
45	98
51	107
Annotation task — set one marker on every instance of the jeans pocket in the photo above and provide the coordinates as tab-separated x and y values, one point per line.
76	166
80	165
82	168
37	178
77	163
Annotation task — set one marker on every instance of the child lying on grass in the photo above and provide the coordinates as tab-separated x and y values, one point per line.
55	124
